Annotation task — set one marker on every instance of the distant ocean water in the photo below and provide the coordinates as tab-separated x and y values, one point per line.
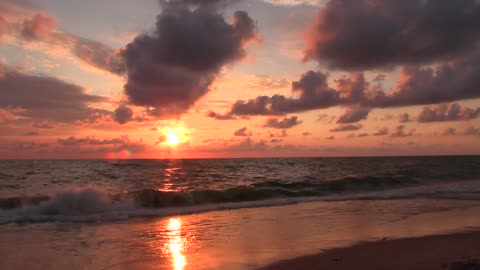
96	190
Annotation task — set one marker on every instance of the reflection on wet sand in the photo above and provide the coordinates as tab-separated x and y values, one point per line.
176	244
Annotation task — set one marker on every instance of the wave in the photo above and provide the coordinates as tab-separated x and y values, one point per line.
90	204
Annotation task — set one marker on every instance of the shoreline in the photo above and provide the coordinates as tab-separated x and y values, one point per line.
455	251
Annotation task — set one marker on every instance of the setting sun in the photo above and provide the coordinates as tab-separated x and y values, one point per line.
174	136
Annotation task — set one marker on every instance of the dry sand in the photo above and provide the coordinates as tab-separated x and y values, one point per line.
455	252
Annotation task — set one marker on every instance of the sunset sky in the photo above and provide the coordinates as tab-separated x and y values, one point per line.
224	78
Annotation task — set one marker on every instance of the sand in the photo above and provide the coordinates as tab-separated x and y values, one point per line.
459	251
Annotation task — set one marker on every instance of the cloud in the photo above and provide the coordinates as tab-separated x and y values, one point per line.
284	123
42	124
258	106
400	132
326	118
13	10
42	98
4	27
306	133
31	133
293	2
343	128
449	132
458	79
6	116
282	134
42	27
353	115
313	93
160	140
92	145
27	147
39	26
435	42
123	114
365	34
242	132
330	138
447	112
171	68
455	80
74	141
218	116
381	132
245	145
404	118
472	131
94	53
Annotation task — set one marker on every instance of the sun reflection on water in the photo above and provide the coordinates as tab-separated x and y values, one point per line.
176	244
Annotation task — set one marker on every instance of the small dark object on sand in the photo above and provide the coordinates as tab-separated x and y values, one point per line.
466	265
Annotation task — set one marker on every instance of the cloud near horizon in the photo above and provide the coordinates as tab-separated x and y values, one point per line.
284	123
447	112
47	99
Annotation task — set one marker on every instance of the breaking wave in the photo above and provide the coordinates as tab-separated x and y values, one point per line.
90	204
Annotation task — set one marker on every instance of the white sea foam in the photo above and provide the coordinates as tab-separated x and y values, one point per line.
90	204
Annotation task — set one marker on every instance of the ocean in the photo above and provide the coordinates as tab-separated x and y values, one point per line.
220	213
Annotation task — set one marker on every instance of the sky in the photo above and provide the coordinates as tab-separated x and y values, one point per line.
123	79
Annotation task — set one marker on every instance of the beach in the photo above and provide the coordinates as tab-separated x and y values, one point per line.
254	238
451	251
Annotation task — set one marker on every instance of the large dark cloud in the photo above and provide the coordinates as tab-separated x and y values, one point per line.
447	112
42	98
313	93
284	123
455	80
368	34
435	41
172	67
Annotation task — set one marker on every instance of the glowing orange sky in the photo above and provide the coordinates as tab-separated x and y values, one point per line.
270	63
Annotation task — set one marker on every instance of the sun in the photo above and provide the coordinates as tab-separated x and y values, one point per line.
175	136
172	138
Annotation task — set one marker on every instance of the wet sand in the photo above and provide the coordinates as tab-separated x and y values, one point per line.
250	238
460	251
